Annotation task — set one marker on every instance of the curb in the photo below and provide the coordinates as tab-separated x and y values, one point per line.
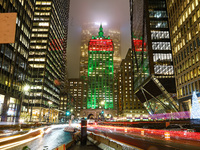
109	144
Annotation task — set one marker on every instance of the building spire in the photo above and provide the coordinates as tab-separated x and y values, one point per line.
100	34
101	31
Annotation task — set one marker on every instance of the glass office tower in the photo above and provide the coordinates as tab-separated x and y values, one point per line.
154	82
14	58
46	58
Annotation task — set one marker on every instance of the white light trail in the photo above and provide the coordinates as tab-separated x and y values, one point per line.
14	137
8	146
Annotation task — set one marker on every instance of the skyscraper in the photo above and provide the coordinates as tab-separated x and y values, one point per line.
100	72
128	104
76	88
14	58
154	82
46	58
89	29
185	40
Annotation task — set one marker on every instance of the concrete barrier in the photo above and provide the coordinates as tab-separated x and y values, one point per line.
119	147
76	135
106	143
68	145
97	138
114	145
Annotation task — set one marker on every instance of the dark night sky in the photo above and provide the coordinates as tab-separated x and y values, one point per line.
81	11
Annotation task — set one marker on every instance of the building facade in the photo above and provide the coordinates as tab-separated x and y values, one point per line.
46	59
115	92
13	60
89	29
129	106
100	72
184	23
154	66
76	88
67	105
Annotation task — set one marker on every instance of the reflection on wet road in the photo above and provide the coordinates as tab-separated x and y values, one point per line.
51	140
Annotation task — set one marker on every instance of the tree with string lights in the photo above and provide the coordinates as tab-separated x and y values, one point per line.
195	111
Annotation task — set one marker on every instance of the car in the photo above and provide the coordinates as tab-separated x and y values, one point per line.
180	127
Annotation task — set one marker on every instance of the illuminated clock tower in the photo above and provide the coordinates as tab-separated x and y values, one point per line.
100	72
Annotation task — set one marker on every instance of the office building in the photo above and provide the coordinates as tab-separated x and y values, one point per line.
67	105
100	71
47	59
13	60
115	93
154	82
129	106
184	23
100	84
76	88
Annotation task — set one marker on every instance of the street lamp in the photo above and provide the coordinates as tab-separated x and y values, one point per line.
102	112
25	89
102	103
72	116
50	103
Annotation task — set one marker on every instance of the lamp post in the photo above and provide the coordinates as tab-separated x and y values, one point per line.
102	103
25	89
102	112
50	103
72	115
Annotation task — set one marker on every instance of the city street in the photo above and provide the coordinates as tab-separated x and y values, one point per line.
50	139
146	142
54	136
104	74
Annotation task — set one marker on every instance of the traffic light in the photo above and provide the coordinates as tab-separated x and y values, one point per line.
102	112
67	113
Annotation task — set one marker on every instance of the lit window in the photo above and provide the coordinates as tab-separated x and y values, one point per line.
43	24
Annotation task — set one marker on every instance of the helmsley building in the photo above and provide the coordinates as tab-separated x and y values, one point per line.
100	77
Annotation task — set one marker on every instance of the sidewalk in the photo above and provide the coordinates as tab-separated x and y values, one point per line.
88	146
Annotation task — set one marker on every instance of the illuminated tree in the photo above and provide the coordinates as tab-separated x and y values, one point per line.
195	111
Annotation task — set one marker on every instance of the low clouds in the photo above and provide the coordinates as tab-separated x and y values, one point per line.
81	11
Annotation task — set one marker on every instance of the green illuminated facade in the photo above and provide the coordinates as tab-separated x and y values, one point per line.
100	72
